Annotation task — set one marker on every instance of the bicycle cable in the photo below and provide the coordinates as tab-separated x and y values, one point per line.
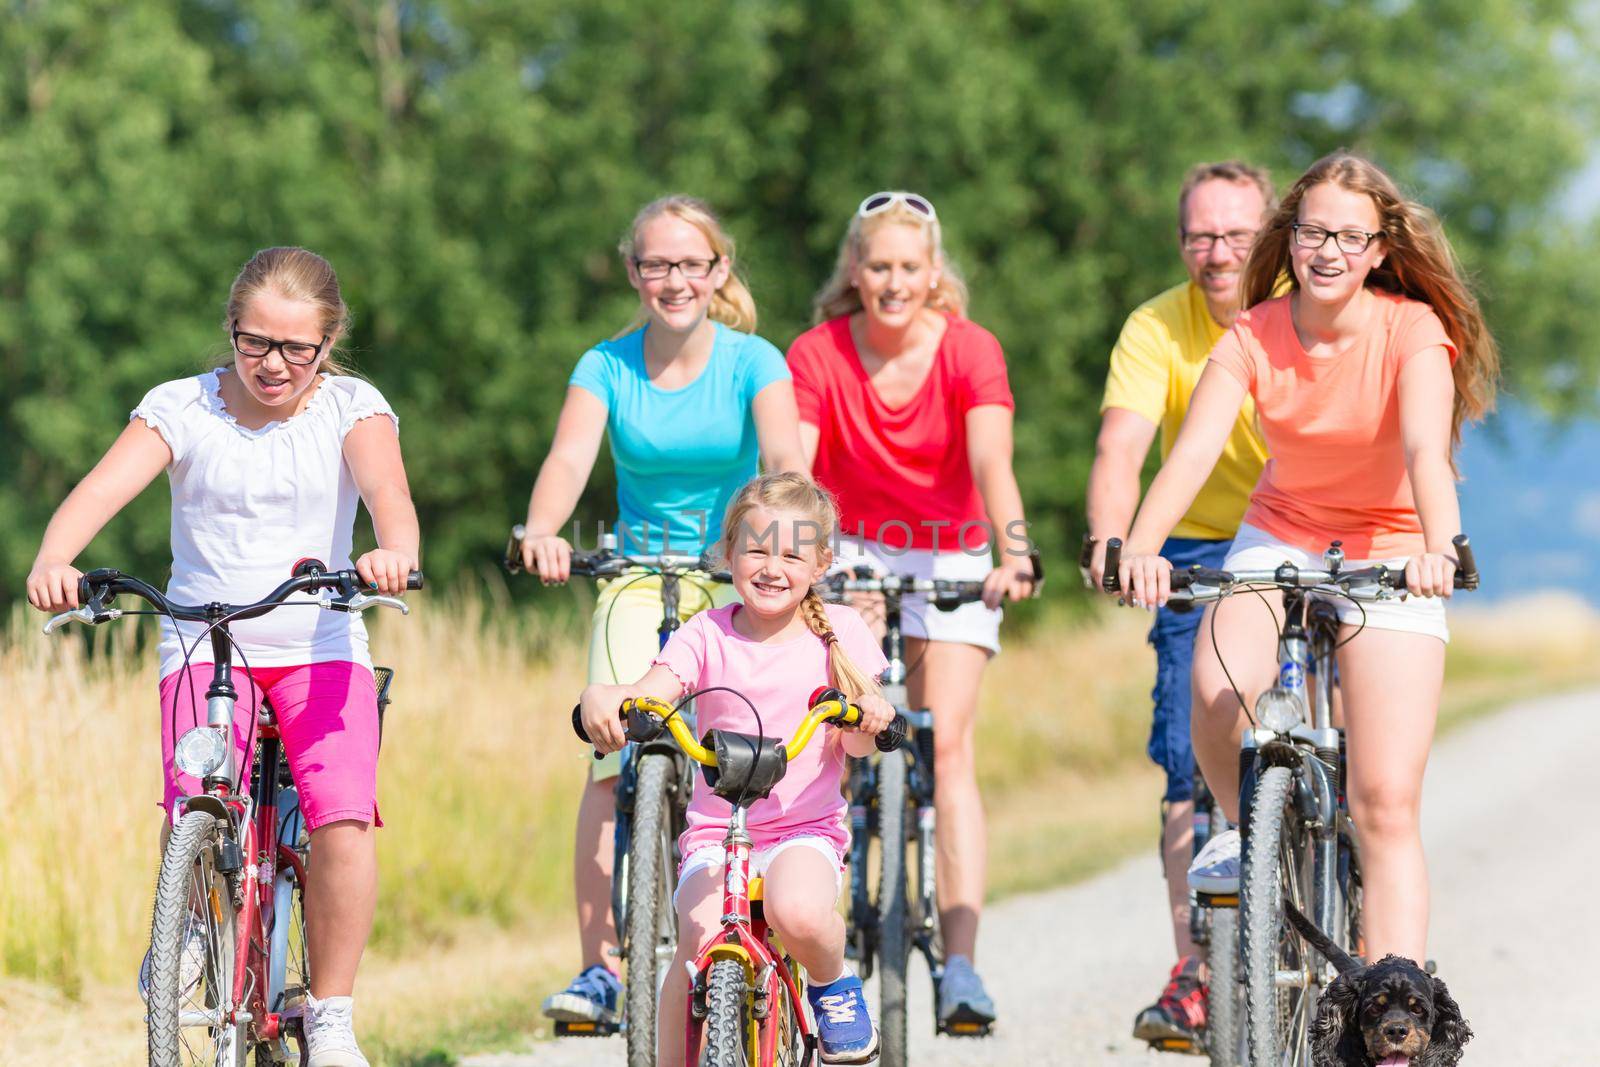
761	735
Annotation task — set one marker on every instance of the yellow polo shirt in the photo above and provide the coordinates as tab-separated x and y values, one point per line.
1154	368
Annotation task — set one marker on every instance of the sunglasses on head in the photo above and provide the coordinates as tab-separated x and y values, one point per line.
878	203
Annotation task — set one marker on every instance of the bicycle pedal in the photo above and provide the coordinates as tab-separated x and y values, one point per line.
594	1029
966	1023
1186	1045
1216	900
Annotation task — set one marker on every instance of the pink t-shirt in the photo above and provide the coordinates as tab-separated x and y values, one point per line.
901	474
778	679
1332	427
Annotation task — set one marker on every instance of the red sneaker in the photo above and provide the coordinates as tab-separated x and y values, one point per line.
1179	1014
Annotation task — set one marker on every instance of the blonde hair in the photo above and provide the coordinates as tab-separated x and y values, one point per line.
838	296
1419	263
295	274
732	305
792	492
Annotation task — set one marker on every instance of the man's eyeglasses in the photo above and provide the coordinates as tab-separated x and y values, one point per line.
1204	242
1352	241
881	202
256	347
653	270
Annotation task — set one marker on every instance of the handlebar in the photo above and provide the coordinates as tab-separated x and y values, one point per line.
609	563
1381	582
97	588
946	594
646	715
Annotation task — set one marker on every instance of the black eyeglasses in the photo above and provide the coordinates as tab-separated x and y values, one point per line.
256	347
1205	242
655	269
1352	241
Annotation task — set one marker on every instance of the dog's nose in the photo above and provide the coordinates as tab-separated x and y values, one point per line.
1397	1032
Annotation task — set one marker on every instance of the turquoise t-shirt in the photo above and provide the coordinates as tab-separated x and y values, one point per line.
680	454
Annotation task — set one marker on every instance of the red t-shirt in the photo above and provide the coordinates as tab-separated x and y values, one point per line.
901	475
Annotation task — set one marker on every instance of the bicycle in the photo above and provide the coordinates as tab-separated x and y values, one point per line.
1299	842
745	1005
241	857
891	800
652	796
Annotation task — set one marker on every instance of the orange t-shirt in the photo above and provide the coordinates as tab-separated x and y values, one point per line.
1332	426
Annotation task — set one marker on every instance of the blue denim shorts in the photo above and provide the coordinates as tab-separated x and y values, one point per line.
1173	636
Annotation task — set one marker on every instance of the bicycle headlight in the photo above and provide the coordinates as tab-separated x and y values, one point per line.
1280	710
200	752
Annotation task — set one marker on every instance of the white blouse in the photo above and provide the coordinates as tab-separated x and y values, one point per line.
248	504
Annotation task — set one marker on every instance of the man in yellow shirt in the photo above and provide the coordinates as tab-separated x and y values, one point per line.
1154	368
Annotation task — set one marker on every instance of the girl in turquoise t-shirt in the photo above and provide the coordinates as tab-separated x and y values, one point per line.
690	397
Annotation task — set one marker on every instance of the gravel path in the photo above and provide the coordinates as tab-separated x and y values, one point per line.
1510	930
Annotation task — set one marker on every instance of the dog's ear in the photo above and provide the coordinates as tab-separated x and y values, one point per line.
1335	1035
1450	1030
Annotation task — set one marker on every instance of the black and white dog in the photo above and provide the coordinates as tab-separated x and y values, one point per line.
1386	1014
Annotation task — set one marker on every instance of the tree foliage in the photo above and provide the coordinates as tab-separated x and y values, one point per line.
468	166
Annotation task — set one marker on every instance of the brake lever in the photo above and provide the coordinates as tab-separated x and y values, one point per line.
359	602
86	615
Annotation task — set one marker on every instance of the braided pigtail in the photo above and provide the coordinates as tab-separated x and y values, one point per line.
843	674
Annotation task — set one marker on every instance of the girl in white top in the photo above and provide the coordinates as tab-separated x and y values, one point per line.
266	457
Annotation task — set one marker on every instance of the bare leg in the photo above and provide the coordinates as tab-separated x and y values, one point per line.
341	897
1177	848
946	682
593	862
1391	684
699	905
802	891
1245	647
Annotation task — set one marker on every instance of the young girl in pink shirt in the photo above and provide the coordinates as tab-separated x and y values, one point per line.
775	649
1362	375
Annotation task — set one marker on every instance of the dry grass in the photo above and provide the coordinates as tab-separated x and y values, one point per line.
478	787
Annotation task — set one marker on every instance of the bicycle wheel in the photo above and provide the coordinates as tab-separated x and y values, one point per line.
1225	994
193	937
894	931
1279	993
288	962
726	1031
652	923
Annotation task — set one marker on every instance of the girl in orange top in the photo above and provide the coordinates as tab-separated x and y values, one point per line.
1362	375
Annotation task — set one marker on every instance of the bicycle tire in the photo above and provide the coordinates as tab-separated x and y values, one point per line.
894	929
1224	1044
1278	1022
725	1032
651	919
188	867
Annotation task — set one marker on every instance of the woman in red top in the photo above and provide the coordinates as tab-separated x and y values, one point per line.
1362	376
905	414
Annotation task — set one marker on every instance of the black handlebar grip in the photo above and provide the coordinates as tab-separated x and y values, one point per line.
1109	581
892	736
1466	566
577	724
414	580
513	557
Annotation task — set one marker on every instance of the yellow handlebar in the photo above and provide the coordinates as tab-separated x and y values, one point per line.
835	711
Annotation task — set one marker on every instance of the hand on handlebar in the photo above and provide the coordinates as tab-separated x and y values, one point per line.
53	587
1431	574
1012	580
386	569
1145	580
549	556
597	709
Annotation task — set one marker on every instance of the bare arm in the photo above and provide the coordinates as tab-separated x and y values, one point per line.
810	439
1427	395
579	430
778	428
372	449
129	465
1212	411
989	450
600	703
1119	451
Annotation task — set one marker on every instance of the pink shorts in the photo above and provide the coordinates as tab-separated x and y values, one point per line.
327	716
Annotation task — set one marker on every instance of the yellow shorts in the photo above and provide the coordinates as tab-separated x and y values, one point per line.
623	641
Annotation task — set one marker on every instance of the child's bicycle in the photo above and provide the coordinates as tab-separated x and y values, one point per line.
745	1002
652	796
1299	841
891	802
234	866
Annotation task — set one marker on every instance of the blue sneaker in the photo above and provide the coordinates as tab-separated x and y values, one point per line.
592	997
962	998
844	1027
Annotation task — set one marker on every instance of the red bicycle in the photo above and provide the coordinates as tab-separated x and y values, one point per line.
745	1003
229	971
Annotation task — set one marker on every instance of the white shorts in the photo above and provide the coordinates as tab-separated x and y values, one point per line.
970	624
1255	549
711	857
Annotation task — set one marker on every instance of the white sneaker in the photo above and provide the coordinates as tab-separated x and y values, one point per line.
1216	869
329	1036
191	965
